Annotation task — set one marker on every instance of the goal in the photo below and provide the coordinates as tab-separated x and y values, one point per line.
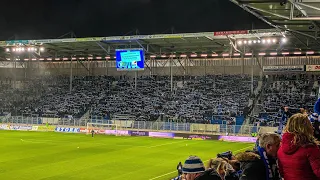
100	128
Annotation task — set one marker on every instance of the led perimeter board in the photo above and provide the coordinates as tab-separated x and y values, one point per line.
130	59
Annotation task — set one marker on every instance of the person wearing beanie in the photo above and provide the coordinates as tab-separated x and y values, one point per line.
193	167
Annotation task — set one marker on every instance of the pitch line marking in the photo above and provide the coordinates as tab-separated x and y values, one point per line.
204	161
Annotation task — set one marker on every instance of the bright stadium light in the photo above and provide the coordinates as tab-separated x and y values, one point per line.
297	53
214	55
225	55
194	55
7	49
274	40
248	54
41	59
244	42
285	53
273	54
259	41
310	52
262	54
263	41
183	55
204	55
269	41
236	54
41	49
254	41
153	56
49	59
249	42
240	42
284	40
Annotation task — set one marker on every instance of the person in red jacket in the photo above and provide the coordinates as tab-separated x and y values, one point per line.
299	155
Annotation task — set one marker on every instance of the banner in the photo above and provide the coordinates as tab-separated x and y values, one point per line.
35	128
195	136
45	128
282	68
67	129
139	133
114	132
312	67
238	139
161	134
4	127
224	33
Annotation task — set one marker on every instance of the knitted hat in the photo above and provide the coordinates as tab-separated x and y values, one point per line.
314	117
193	165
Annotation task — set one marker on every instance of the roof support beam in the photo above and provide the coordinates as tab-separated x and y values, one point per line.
268	12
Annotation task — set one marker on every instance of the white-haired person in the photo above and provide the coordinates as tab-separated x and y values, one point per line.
299	154
261	164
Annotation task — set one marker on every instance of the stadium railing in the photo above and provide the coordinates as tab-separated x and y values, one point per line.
147	125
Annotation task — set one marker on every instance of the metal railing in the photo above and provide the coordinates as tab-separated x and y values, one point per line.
143	125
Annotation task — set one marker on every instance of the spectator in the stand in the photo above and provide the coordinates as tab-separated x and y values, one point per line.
217	169
261	164
193	167
299	154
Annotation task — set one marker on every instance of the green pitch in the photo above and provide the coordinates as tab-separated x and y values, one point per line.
56	156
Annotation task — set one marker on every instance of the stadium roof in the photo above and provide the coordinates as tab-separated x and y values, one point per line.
162	45
299	17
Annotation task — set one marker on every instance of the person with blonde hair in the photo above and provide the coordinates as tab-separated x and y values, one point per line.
218	169
299	154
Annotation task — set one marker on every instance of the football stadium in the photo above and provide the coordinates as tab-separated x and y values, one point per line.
165	106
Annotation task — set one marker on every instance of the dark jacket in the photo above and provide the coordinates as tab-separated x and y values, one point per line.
212	174
253	167
296	162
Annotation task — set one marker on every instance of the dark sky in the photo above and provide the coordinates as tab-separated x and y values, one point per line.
34	19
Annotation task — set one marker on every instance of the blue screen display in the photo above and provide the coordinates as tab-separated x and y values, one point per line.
130	59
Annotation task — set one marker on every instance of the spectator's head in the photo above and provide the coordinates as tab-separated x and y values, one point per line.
192	168
301	127
270	142
220	165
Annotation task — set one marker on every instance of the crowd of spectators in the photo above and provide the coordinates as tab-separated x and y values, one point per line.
293	91
193	99
295	155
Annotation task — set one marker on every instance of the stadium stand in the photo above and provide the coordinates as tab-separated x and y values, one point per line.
292	90
195	99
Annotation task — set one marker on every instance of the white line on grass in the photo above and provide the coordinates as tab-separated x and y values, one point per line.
164	144
204	161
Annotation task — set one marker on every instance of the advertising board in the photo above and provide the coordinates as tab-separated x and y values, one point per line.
238	139
313	68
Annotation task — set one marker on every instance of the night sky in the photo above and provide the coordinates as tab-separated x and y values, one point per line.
36	19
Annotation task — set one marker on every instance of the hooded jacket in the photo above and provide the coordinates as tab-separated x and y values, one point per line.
252	166
298	162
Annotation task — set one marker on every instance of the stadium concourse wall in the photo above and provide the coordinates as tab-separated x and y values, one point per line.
194	67
171	135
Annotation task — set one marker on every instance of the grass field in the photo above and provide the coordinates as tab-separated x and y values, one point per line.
50	156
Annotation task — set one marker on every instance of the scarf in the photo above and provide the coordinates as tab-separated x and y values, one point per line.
270	172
